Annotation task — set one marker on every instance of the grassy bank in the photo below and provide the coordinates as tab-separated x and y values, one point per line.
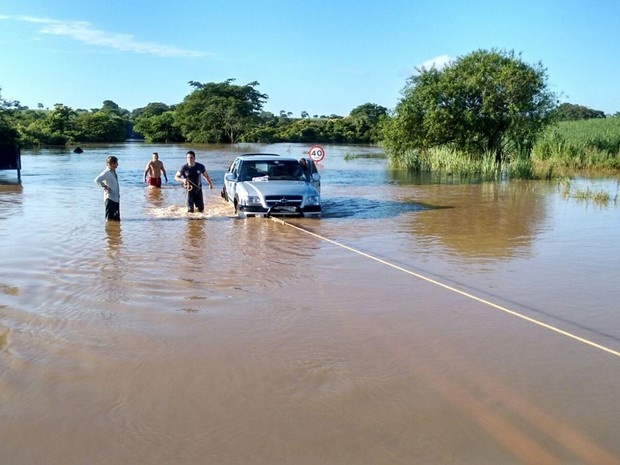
462	166
563	149
592	144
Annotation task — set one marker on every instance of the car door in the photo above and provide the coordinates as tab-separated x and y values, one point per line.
230	180
312	172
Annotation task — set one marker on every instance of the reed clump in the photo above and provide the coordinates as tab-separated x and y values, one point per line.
463	165
564	148
579	145
599	196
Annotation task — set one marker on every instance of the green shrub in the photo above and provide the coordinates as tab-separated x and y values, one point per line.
579	145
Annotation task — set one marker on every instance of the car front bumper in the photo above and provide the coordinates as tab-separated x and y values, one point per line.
280	210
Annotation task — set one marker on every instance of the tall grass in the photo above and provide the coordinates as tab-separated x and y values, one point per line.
453	162
562	149
579	145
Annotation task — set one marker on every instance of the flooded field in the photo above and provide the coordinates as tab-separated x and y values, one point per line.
416	322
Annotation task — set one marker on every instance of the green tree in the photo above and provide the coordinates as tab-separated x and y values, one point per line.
111	107
219	112
571	112
370	111
301	130
159	128
8	131
56	127
152	109
367	119
481	103
100	126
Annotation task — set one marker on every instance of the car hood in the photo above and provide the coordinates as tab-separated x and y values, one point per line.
279	188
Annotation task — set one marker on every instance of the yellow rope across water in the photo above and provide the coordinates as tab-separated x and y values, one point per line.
453	289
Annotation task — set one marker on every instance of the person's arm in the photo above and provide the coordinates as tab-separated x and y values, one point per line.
206	176
163	170
146	170
179	177
101	181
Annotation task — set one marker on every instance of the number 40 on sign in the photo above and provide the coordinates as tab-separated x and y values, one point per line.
317	153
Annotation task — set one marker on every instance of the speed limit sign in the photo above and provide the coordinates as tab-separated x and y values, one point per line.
317	153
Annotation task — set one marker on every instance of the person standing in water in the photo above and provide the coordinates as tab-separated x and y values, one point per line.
154	169
108	181
189	175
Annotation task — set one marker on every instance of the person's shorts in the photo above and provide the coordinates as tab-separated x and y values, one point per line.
155	182
194	198
112	210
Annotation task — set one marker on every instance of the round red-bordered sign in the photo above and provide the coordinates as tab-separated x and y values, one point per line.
317	153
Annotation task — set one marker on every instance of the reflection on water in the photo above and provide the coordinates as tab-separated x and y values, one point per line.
368	208
154	197
491	221
10	197
200	338
194	243
113	232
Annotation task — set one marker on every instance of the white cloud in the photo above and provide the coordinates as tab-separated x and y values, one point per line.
83	31
438	62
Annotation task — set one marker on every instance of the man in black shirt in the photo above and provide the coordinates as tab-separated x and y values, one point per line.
189	175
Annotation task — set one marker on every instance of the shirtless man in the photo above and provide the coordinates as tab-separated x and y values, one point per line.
154	169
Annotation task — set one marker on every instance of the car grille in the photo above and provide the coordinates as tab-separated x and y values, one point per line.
292	200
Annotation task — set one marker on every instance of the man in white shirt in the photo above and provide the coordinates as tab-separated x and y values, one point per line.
108	180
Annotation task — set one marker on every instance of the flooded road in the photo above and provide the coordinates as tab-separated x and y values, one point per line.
414	323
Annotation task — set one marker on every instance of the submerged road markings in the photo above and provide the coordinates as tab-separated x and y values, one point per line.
453	289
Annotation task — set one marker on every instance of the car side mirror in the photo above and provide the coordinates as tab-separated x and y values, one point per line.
316	176
230	177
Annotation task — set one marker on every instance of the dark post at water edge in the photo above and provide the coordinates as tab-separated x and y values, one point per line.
10	159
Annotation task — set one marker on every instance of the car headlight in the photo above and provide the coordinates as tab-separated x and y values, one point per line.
313	200
252	200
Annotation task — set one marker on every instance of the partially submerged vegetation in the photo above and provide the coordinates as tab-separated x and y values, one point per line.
579	145
487	116
452	162
599	196
485	104
490	115
356	156
564	148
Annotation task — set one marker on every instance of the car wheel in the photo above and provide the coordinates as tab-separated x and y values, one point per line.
236	207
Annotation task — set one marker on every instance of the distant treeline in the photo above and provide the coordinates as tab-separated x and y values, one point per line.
229	113
211	113
158	122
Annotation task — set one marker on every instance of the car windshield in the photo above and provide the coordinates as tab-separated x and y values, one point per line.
272	170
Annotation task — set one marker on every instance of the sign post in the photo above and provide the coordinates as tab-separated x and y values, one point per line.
317	153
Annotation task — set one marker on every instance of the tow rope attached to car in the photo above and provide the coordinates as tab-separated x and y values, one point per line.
453	289
189	187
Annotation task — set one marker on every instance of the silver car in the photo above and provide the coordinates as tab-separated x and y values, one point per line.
258	184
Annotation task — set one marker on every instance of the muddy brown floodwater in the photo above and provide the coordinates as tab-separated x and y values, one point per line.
416	322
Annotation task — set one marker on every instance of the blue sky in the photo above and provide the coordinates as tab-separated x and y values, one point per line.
320	56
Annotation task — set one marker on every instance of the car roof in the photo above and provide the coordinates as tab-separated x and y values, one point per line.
264	156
